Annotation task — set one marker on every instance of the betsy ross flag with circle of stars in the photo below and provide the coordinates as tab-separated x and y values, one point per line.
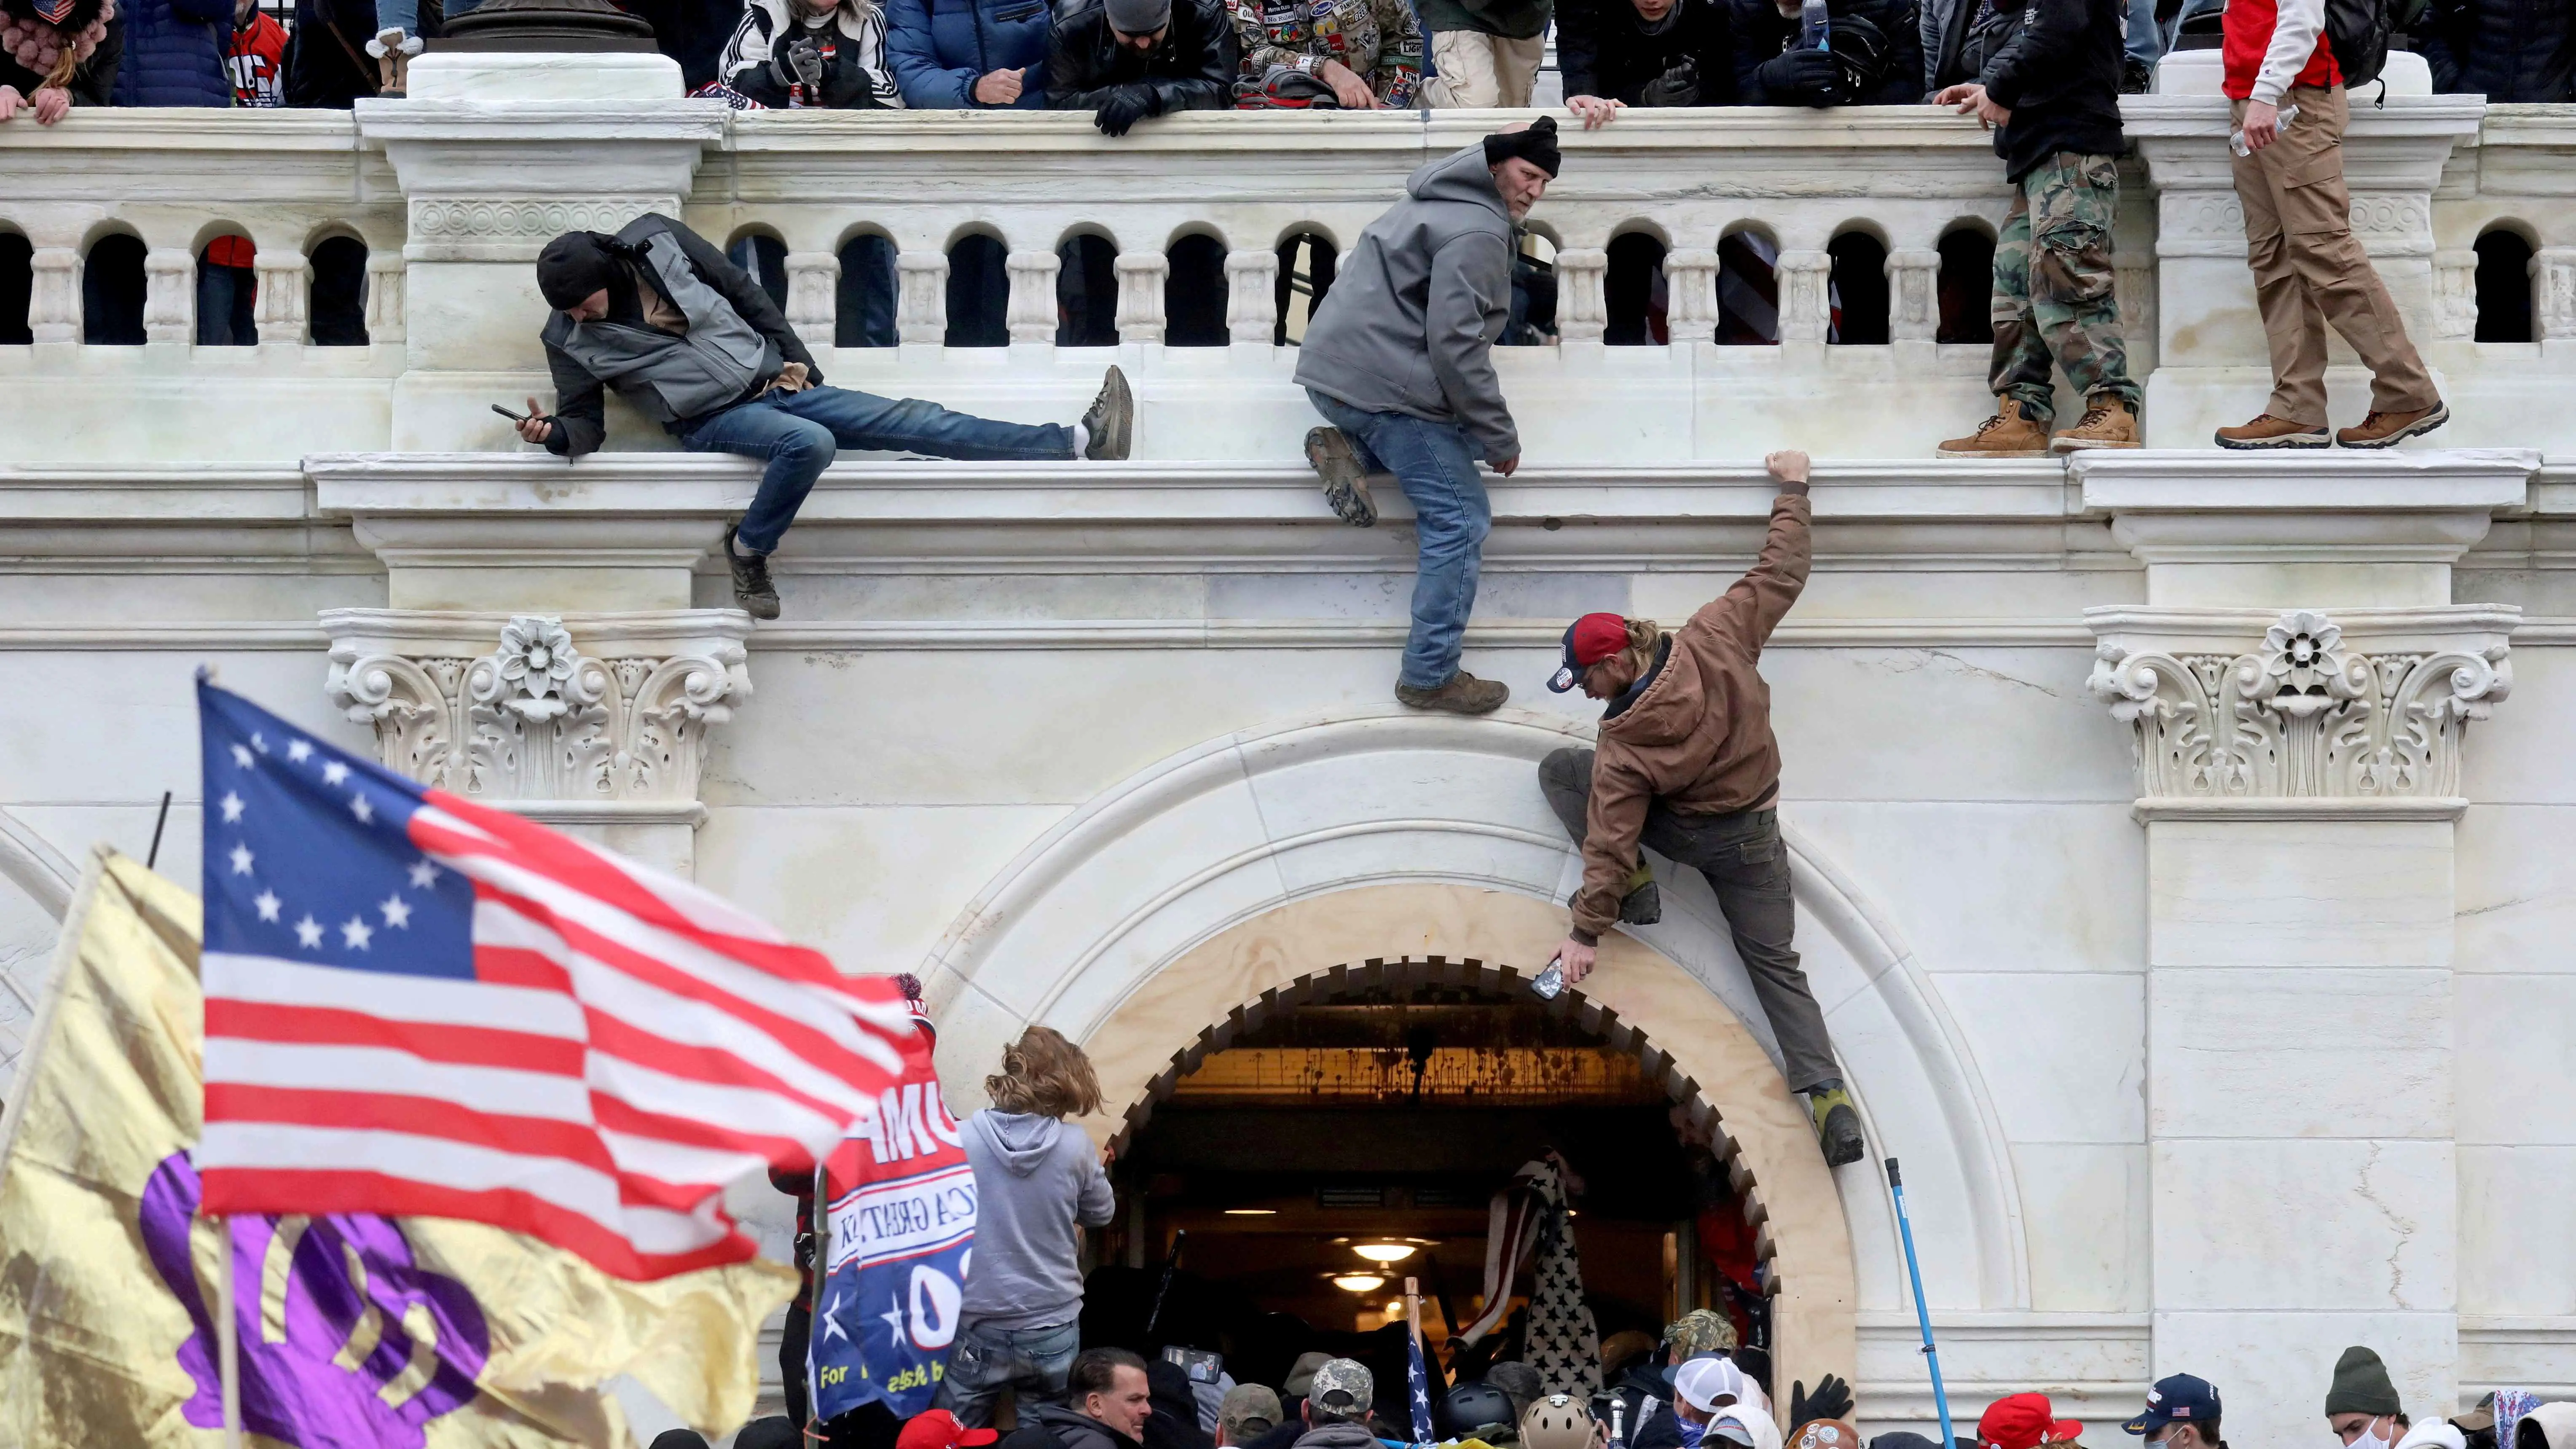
417	1005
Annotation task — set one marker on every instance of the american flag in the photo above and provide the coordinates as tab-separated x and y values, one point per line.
1418	1379
421	1006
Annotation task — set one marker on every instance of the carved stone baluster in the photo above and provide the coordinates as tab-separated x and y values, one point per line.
1141	278
1252	297
54	307
1690	292
2553	293
385	276
170	295
921	299
285	287
1582	307
1913	295
2133	285
1806	311
813	296
2455	294
1032	312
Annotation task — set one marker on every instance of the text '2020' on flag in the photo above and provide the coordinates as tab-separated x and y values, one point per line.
901	1229
418	1005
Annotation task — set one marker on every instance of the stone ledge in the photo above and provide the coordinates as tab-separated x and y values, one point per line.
2319	481
2150	810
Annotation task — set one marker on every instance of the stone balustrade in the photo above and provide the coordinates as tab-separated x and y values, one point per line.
451	193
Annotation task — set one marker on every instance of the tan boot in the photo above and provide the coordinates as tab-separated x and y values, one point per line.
2269	430
1461	693
2008	434
2387	430
2107	423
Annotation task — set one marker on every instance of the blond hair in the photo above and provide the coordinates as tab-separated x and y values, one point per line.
1630	664
1044	1073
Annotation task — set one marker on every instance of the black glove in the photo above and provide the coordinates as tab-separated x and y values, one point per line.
1802	77
1831	1400
1678	86
1123	110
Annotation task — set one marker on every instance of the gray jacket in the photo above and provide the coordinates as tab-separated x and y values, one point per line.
1410	323
1038	1184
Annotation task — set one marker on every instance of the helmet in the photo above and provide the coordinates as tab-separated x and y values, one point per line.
1559	1421
1469	1407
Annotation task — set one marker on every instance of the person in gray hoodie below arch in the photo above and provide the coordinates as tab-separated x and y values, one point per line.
1038	1183
1399	360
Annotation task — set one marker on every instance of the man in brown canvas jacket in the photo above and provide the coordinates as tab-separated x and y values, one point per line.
1687	764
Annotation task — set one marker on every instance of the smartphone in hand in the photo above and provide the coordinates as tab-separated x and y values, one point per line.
505	412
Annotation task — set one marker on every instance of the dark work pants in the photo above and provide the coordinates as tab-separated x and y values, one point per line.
1744	862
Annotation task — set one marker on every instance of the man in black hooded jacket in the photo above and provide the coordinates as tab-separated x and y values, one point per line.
1621	53
1127	60
683	334
1874	54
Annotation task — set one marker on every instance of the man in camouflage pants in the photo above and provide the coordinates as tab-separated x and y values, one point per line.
2052	94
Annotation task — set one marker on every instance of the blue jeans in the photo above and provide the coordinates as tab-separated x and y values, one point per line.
1436	465
799	431
2146	44
226	297
1033	1362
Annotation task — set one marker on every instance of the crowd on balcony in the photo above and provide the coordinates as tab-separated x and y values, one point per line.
1128	60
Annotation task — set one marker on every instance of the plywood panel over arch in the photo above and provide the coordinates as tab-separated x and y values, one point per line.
1704	1051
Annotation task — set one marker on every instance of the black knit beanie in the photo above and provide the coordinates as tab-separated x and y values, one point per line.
2361	1385
573	266
1536	145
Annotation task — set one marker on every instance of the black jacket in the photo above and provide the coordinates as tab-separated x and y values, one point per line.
2061	78
1053	1426
1192	70
2505	50
581	421
327	64
1642	1385
1605	50
1760	32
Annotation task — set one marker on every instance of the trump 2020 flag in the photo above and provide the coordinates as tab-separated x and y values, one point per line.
418	1005
902	1225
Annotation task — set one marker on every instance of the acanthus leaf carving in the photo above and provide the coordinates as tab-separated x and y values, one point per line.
2302	714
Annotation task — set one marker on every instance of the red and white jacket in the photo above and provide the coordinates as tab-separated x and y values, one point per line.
2272	45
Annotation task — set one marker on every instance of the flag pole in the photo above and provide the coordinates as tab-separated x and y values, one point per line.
228	1338
1922	1314
1413	1334
820	1221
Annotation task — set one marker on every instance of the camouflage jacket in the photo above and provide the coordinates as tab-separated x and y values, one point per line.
1378	39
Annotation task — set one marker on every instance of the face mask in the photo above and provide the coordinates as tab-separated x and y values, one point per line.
2371	1438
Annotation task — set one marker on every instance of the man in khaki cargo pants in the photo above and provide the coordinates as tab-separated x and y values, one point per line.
2309	269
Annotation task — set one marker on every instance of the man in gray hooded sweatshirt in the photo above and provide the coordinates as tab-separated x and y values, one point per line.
1399	360
1038	1183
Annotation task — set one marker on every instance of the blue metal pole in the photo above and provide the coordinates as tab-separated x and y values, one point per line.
1922	1315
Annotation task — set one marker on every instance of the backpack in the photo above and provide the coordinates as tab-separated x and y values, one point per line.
2358	32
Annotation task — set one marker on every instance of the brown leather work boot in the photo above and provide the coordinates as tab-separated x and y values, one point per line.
2267	431
2387	430
1461	693
2107	423
2008	434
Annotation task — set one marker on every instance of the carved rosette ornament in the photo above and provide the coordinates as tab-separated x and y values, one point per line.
2304	713
610	709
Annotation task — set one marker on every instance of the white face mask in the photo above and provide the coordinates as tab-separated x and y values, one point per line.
2371	1438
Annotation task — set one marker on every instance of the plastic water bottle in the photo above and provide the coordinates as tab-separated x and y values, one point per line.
2236	138
1813	27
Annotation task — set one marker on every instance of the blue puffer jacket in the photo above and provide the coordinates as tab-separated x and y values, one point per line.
938	49
174	53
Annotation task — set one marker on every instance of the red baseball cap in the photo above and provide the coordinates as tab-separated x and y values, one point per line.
1588	641
939	1429
2021	1421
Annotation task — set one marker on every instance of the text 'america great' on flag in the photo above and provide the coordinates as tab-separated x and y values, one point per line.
421	1006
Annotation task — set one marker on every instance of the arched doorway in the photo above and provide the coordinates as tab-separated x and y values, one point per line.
1306	1156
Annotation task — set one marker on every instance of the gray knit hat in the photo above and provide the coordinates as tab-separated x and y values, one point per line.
2361	1385
1139	17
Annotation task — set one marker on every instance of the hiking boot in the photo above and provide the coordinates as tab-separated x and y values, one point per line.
1111	421
1460	693
751	586
2267	431
2107	423
1643	906
2008	434
1346	485
2387	430
1837	1124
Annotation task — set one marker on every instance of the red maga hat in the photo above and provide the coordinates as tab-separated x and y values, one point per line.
2024	1421
1588	641
939	1429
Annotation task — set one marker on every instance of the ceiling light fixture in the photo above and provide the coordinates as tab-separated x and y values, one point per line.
1359	1282
1252	1212
1384	1253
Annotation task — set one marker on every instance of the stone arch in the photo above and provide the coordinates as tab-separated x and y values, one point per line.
1100	922
1323	947
36	867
